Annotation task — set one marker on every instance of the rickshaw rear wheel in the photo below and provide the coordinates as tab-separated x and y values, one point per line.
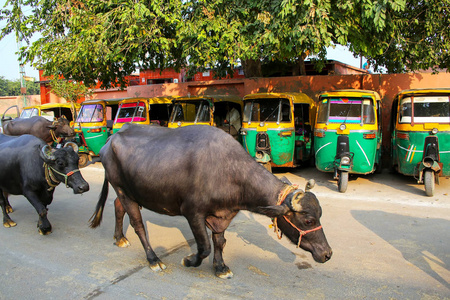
83	160
342	181
429	180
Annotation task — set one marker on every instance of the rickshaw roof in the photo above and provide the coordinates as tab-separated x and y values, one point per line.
213	98
56	105
421	92
101	101
152	100
351	93
295	96
30	107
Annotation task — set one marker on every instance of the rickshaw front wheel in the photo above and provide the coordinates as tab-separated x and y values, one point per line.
429	180
342	181
83	160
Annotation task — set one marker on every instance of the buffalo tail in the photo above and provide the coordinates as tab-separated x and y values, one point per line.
96	218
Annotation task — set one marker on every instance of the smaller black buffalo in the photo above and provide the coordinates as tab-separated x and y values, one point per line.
29	167
40	127
203	174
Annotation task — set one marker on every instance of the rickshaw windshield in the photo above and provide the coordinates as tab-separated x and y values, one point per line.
28	113
131	112
267	110
191	111
426	109
346	110
90	113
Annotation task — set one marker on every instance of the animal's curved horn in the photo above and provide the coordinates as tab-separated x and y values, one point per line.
295	200
46	153
310	184
73	145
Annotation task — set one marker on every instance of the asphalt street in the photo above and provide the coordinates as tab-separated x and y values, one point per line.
389	241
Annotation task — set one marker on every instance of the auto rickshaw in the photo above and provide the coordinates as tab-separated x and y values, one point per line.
222	111
347	134
144	111
56	110
276	128
94	125
420	126
30	111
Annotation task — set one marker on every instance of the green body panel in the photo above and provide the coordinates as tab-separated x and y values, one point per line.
407	154
366	154
95	140
281	147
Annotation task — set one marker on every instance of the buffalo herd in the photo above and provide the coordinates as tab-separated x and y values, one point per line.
199	172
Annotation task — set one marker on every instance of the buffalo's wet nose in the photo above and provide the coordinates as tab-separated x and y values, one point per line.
328	255
82	188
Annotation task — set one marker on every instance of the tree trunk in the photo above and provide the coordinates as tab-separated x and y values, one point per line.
299	66
252	68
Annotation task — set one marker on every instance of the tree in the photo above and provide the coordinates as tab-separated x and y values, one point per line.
107	40
12	88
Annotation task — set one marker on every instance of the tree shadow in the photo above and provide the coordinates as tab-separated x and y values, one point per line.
422	241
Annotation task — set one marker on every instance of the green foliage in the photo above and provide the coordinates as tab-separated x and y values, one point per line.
97	40
12	88
69	90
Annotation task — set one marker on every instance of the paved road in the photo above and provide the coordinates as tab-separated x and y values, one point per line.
389	240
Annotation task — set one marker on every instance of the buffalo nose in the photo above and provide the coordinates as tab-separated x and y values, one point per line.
328	255
82	188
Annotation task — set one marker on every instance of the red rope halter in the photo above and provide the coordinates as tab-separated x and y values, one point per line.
281	197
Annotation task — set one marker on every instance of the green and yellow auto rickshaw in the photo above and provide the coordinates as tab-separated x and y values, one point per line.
222	111
420	125
144	111
347	134
277	128
94	125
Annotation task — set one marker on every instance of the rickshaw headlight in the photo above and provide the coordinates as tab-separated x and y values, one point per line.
259	155
428	162
261	124
434	131
345	160
179	124
342	127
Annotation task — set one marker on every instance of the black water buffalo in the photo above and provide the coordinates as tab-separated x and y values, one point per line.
204	174
40	127
29	167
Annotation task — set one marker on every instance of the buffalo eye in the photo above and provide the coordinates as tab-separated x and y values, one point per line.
60	163
309	222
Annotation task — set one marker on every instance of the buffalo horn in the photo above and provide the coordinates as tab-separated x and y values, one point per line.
47	153
73	145
295	201
310	184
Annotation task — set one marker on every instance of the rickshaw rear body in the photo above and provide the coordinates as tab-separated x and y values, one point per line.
276	128
222	111
348	126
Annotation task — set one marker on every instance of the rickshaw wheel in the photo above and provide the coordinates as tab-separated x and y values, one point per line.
428	180
83	161
342	181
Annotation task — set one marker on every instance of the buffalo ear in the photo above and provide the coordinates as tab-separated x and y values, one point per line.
46	154
273	211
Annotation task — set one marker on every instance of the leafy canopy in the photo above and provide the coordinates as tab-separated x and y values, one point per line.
90	40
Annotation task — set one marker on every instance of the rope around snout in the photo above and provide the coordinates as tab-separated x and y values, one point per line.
52	181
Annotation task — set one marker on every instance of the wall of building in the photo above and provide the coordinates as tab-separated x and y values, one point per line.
6	102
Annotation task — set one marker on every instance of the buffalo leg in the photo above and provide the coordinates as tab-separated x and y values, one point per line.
9	208
220	268
198	227
6	208
119	237
43	223
133	211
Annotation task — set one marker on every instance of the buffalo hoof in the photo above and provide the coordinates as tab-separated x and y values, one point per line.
191	261
122	243
158	266
225	275
45	231
9	223
9	209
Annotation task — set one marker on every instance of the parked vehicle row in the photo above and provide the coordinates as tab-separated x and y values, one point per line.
340	133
